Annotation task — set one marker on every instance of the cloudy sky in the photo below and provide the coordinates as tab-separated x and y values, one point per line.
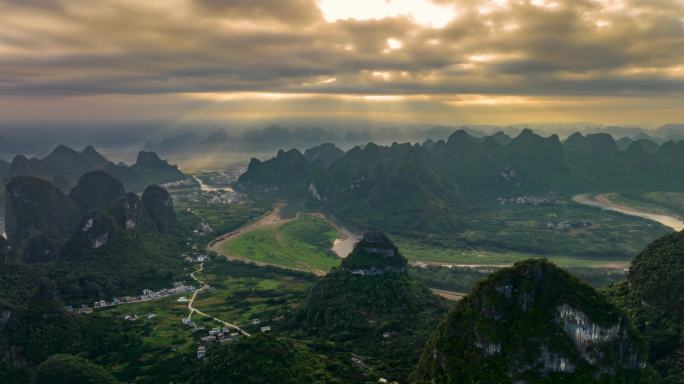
429	61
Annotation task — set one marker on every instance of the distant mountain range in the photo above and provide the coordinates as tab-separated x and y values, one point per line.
64	166
430	187
275	136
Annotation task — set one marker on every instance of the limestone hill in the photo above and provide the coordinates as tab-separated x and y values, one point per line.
534	323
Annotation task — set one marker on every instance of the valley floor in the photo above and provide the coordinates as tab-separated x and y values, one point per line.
612	202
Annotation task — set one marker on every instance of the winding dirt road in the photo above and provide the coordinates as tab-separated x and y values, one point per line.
192	310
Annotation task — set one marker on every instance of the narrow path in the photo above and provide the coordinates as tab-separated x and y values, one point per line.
192	310
449	295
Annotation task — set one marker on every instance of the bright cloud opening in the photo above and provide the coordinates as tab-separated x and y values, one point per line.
423	12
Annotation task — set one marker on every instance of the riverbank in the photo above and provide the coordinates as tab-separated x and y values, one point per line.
604	201
295	243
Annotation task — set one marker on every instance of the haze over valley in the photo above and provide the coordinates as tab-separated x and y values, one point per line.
328	191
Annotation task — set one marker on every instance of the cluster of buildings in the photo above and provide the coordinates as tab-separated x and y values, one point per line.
195	256
203	229
227	177
220	335
135	317
550	198
570	224
218	197
147	294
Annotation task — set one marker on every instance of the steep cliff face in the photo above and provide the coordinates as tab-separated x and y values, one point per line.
533	323
129	214
96	190
38	218
94	231
159	205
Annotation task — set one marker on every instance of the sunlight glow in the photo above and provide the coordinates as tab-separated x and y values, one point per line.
423	12
394	44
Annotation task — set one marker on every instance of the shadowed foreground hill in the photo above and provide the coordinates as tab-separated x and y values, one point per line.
654	298
372	303
370	292
262	359
96	190
122	244
38	218
69	369
534	323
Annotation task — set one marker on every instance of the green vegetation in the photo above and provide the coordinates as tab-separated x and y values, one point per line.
463	279
69	369
476	193
130	263
429	253
384	316
512	233
242	292
653	298
263	359
154	346
303	243
657	202
43	329
520	324
222	218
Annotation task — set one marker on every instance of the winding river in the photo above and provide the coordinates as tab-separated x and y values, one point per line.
603	201
207	188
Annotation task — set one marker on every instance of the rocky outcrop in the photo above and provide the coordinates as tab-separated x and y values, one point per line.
553	362
96	190
287	173
38	218
325	154
374	255
5	315
159	205
369	288
95	230
154	170
527	322
129	214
